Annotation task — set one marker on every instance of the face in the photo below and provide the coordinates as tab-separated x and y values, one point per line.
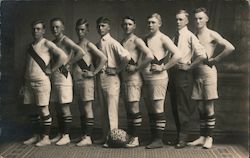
38	31
103	28
57	28
153	24
82	31
201	19
181	20
128	26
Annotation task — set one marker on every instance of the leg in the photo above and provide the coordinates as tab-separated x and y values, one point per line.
67	120
60	122
46	121
159	120
210	123
87	122
32	111
134	123
202	113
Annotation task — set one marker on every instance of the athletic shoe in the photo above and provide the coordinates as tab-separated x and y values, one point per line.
64	140
32	140
86	140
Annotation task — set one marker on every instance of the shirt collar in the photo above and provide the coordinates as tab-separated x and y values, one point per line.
183	29
106	37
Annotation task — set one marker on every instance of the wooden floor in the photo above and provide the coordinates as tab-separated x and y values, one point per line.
224	147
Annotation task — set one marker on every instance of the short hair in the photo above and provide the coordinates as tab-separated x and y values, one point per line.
82	21
38	21
201	9
183	11
57	19
129	17
103	20
155	15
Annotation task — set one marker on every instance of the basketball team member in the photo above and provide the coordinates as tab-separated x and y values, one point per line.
156	78
181	80
205	88
84	74
62	85
131	77
37	86
108	80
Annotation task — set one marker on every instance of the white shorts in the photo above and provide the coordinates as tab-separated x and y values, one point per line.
205	84
37	92
85	89
155	89
132	90
62	94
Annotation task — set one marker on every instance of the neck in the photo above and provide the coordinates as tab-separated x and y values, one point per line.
127	36
201	30
38	40
151	34
59	36
82	39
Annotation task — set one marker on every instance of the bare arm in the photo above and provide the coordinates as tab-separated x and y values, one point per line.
146	51
168	44
57	52
228	47
100	55
79	52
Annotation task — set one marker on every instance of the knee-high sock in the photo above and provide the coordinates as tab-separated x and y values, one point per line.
59	117
152	125
35	124
67	124
160	123
89	126
210	124
203	118
134	123
46	122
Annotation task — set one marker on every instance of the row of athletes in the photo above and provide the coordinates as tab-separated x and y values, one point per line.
156	63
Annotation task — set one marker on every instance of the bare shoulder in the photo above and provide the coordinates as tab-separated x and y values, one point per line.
49	44
67	40
164	38
139	41
214	35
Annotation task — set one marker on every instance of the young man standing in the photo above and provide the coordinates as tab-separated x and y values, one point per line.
156	78
131	77
62	85
205	88
108	79
181	79
84	78
37	86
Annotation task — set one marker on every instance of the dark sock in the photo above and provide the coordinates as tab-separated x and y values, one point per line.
134	123
83	124
67	124
46	122
89	126
203	118
210	124
152	125
160	123
35	124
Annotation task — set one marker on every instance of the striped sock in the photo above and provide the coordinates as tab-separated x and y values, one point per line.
35	124
89	126
203	125
152	125
83	124
210	124
67	124
46	122
134	123
160	123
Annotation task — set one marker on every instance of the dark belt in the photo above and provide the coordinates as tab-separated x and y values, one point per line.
64	70
157	62
132	62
